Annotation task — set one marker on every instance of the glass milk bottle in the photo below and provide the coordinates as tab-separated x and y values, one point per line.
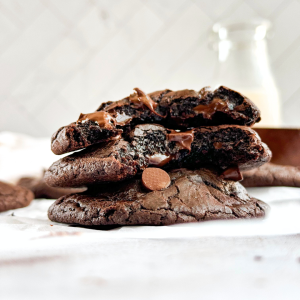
244	66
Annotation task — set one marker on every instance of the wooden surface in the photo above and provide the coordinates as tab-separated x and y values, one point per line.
284	144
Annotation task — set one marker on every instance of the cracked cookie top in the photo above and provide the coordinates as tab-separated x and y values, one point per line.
192	196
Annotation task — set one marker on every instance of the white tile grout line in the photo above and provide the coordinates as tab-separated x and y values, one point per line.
92	53
290	98
144	50
185	56
20	33
278	62
259	9
20	78
286	53
180	60
275	14
145	3
48	53
7	12
53	8
88	58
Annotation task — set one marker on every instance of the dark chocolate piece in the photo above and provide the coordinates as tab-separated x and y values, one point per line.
178	110
12	197
272	175
193	196
232	173
148	145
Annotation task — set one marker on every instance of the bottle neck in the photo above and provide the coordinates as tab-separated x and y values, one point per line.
246	61
247	51
244	66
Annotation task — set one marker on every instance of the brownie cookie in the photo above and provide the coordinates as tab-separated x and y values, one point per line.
111	161
192	196
272	175
223	146
179	110
42	190
88	130
12	197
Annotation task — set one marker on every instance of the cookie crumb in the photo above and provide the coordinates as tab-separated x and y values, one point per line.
258	257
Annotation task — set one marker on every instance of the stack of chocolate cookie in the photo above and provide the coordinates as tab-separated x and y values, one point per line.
160	158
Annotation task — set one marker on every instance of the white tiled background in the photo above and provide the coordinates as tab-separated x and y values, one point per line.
62	57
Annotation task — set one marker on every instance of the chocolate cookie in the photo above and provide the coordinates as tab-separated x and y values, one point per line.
179	110
42	190
12	197
272	175
95	128
221	146
192	196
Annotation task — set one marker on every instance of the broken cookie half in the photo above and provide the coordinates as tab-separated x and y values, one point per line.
173	109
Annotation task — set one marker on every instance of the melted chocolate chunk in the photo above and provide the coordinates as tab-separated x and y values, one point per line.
102	118
115	104
141	99
176	110
184	139
210	109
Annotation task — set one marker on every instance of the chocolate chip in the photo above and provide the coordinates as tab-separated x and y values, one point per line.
185	139
232	173
155	179
103	118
